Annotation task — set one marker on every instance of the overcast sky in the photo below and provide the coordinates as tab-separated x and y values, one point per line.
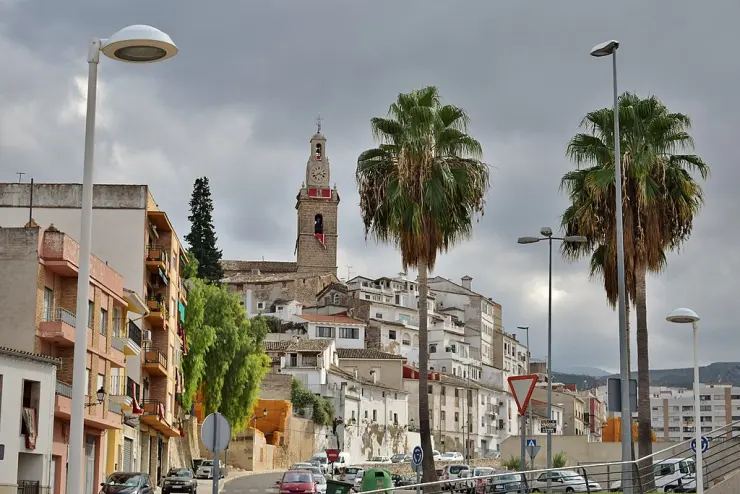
238	105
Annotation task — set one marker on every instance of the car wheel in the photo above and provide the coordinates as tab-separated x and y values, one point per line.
668	488
569	489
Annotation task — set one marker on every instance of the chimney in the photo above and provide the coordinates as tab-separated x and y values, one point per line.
467	282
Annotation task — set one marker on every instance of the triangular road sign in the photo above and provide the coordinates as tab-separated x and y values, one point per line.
522	388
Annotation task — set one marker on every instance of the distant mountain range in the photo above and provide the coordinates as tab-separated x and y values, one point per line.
718	372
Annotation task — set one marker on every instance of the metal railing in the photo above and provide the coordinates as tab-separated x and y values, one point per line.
31	487
64	389
134	333
132	388
60	315
154	356
671	469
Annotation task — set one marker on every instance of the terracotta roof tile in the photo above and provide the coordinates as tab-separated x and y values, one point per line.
309	345
33	356
366	353
265	267
275	346
342	318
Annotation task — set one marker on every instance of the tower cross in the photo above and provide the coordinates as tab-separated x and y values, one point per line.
318	123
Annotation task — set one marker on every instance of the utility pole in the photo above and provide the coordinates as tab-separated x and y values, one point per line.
20	176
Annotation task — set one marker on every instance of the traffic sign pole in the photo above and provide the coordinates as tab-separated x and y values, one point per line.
417	457
522	388
216	470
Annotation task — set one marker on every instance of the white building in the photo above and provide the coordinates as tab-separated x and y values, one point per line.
346	331
27	391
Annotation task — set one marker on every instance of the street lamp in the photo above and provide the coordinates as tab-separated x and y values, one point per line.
546	233
606	49
100	395
134	44
685	316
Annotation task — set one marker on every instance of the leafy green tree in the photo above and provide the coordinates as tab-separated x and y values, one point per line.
227	357
202	237
419	191
190	270
661	199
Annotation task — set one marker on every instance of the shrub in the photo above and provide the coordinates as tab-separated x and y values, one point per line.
559	460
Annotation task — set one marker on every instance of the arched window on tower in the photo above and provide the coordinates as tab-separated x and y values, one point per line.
319	150
318	226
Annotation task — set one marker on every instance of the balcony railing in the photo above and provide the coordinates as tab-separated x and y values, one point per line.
154	356
153	407
64	389
134	333
132	388
60	315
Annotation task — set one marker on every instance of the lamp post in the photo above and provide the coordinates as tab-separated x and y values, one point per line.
685	316
529	408
604	50
546	233
134	44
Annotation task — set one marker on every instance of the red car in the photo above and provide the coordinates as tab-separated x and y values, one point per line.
295	481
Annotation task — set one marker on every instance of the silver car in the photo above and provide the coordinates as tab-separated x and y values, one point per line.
320	483
205	470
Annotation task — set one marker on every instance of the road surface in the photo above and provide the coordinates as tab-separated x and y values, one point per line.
251	484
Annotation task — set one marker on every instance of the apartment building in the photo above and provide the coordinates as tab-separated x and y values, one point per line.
465	415
39	303
575	417
673	414
595	415
346	331
372	412
136	239
27	385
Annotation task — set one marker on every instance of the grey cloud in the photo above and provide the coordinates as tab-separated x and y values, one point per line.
237	105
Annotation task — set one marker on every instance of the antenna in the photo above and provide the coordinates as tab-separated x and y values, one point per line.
20	176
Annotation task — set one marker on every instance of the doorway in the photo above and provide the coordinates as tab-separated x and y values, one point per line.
89	464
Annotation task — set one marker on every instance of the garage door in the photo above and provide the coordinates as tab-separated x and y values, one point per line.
128	453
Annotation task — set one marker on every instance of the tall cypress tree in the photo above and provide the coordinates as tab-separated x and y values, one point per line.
202	237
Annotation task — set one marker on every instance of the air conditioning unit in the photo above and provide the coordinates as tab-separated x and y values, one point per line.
147	335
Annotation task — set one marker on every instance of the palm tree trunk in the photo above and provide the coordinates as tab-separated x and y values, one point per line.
430	474
644	430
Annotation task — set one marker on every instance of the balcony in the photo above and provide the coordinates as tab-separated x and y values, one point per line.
126	337
155	362
154	416
158	313
132	389
118	392
96	416
58	326
182	290
157	259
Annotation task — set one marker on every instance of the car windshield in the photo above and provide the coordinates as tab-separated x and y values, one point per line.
448	455
180	472
457	469
320	459
570	475
508	478
294	478
482	471
207	463
319	478
127	479
376	458
353	470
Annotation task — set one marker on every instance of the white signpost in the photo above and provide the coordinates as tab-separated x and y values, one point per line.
216	435
522	388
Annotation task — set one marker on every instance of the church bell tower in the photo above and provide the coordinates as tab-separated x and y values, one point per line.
317	206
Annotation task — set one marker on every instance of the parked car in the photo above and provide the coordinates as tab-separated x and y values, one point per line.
129	482
474	485
565	481
379	460
402	481
320	461
400	458
196	463
509	483
669	474
452	456
452	473
300	466
314	470
297	481
436	455
351	473
205	470
320	483
179	480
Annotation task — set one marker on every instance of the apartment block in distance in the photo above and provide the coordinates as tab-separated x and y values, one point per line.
133	236
38	315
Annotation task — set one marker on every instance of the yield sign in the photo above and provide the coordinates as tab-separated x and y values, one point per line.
522	388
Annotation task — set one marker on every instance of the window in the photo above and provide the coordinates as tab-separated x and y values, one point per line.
442	415
429	389
391	334
406	339
336	299
294	360
48	304
433	348
87	381
404	318
349	333
31	392
100	384
378	315
260	305
103	322
375	415
90	313
457	416
324	332
444	368
395	419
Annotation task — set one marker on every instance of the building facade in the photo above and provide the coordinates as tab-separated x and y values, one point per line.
133	236
27	386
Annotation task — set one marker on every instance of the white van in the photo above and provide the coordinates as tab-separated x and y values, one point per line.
669	474
344	460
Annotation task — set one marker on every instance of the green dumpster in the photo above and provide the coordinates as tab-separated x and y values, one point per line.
376	478
337	487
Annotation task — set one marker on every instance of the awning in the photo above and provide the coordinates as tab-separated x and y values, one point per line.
181	307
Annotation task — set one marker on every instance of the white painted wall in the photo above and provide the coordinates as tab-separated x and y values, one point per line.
338	341
13	371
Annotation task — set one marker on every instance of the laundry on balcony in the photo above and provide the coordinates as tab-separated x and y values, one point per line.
163	276
29	422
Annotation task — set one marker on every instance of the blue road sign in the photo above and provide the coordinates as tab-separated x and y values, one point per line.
704	444
417	455
531	442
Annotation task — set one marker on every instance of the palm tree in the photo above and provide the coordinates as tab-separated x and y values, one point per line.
419	191
660	201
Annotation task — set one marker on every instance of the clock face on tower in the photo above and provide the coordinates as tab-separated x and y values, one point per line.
318	174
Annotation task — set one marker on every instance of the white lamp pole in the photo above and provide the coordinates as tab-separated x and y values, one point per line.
134	44
685	316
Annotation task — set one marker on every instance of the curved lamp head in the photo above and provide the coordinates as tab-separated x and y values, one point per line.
682	316
101	395
605	49
139	44
527	240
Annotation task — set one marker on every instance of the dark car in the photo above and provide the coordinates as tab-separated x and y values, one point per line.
127	483
180	480
297	481
507	483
